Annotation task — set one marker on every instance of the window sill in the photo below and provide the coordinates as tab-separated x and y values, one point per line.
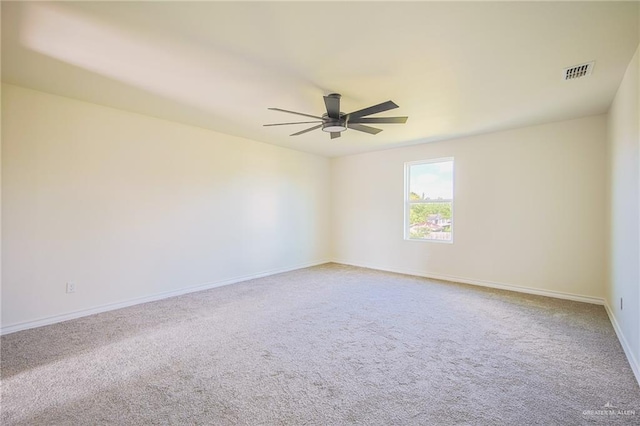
420	240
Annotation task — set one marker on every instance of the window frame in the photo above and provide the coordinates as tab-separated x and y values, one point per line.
408	202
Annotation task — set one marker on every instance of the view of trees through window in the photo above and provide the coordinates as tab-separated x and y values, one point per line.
430	200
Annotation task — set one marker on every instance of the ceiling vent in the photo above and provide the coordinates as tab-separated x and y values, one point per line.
578	71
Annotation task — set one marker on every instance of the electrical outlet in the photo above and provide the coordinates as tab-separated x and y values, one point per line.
71	287
621	303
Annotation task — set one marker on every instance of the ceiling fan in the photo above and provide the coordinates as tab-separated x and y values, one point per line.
334	121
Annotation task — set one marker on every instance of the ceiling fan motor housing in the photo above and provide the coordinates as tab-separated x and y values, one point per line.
334	124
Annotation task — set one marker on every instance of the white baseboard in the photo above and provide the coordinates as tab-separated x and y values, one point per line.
624	343
501	286
158	296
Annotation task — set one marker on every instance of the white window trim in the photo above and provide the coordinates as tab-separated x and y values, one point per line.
407	202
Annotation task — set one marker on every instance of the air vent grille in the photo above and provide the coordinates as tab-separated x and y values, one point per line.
578	71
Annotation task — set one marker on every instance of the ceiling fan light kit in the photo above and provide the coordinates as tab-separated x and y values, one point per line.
335	121
333	126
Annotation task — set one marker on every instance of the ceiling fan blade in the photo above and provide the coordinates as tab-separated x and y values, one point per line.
362	128
379	120
332	102
385	106
335	135
297	113
286	124
307	130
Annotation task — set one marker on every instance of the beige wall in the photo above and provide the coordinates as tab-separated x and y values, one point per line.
624	181
529	209
128	206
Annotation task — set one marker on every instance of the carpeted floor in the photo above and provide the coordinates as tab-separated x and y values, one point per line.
329	345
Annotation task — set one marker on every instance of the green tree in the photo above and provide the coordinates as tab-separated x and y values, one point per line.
419	212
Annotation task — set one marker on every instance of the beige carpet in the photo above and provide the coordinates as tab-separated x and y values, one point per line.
329	345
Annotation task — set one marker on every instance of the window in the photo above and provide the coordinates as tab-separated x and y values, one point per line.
429	200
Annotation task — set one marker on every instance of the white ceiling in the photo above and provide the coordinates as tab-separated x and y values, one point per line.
454	68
